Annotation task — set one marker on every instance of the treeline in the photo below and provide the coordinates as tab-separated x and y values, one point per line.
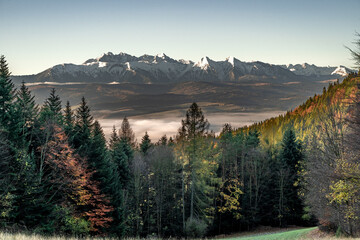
59	175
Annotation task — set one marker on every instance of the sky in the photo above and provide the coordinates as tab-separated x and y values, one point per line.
36	35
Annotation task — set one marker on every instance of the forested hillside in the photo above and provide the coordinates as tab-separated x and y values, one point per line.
59	175
327	129
305	118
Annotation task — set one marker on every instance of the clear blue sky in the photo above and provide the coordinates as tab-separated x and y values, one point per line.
36	35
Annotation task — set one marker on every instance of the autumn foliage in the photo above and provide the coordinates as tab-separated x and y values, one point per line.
70	176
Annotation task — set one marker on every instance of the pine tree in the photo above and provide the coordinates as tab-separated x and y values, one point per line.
7	95
145	144
53	102
107	175
51	110
26	111
290	158
126	133
113	138
98	156
122	156
82	129
195	124
68	120
192	135
163	141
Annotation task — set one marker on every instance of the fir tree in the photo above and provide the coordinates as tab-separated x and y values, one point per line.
53	102
68	120
195	124
192	134
126	133
82	129
122	156
145	144
51	110
7	94
26	111
114	138
106	174
163	141
290	158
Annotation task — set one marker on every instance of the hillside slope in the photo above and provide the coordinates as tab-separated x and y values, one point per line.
306	117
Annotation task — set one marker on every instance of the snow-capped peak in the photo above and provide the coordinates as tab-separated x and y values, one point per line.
203	63
340	70
231	60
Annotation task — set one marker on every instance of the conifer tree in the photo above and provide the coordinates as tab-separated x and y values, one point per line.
51	110
198	162
122	156
290	158
163	141
7	94
126	133
107	175
26	111
82	128
114	138
145	144
6	180
53	102
68	120
194	124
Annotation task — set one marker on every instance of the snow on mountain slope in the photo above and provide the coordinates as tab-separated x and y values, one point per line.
123	67
312	70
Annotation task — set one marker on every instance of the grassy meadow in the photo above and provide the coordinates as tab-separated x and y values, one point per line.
297	234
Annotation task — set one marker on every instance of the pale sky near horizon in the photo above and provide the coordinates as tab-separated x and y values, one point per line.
39	34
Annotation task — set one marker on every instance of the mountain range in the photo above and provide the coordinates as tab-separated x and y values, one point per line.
148	69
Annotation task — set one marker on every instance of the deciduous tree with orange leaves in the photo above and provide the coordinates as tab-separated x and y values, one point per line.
69	182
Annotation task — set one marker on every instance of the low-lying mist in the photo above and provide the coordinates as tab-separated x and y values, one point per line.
169	125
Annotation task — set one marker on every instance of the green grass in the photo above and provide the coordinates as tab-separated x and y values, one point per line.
289	235
299	234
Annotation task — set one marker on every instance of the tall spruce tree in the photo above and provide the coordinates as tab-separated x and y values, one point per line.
145	144
290	157
68	120
126	133
51	110
114	138
82	128
194	124
26	111
198	163
106	173
7	95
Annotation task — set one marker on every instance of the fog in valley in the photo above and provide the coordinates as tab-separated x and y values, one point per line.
169	125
